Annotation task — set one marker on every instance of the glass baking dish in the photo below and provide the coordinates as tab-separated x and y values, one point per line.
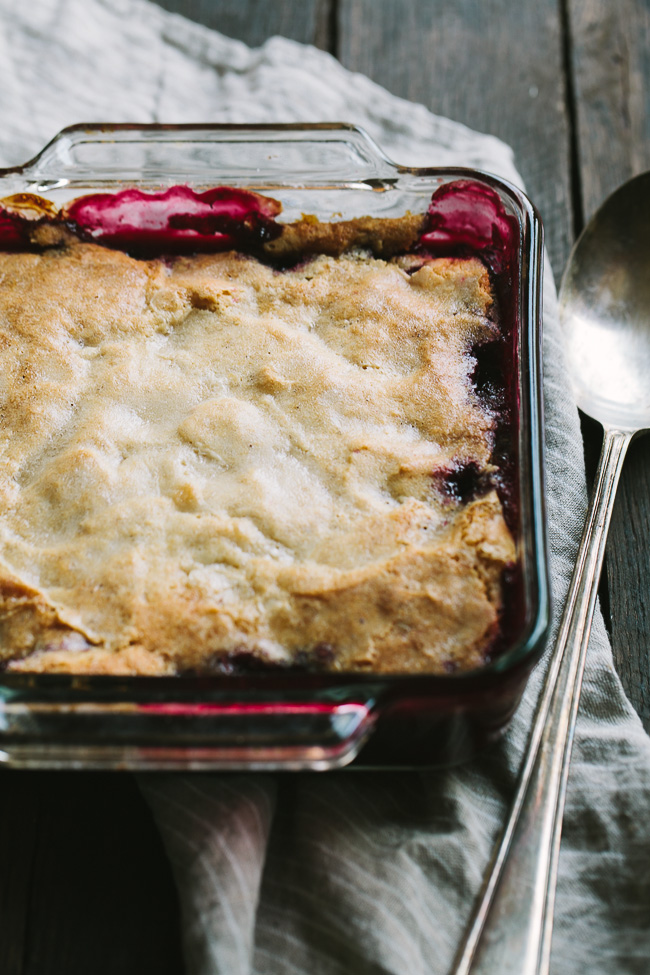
294	720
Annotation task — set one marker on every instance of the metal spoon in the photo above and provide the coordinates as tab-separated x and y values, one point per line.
605	313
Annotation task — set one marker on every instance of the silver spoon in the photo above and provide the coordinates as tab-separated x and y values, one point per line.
605	313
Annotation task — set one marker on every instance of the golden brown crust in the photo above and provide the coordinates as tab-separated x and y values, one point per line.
208	457
384	237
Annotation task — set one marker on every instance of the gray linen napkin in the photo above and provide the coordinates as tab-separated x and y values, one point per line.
350	873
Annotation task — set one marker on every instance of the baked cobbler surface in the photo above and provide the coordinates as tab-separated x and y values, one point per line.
207	456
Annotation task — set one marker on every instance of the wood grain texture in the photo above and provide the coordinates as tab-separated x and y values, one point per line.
497	66
94	893
253	21
19	837
610	61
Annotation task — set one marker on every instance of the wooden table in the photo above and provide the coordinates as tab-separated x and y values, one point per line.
84	883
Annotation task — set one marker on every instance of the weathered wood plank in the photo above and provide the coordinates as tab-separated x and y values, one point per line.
102	896
496	66
610	59
19	832
253	21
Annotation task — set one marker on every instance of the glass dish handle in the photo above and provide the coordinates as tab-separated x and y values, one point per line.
204	735
291	154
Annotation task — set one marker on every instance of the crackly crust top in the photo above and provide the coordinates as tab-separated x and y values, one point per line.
208	456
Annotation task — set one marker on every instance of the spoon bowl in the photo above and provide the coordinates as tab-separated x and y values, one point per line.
605	310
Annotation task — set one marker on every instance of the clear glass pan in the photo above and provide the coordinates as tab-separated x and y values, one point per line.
292	720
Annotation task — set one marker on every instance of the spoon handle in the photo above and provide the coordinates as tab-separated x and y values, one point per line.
512	927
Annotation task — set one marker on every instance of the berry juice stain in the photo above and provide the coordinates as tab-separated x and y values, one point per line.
13	231
462	483
468	218
177	220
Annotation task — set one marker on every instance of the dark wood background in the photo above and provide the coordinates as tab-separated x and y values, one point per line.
84	883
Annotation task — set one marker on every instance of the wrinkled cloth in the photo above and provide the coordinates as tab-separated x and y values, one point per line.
361	873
